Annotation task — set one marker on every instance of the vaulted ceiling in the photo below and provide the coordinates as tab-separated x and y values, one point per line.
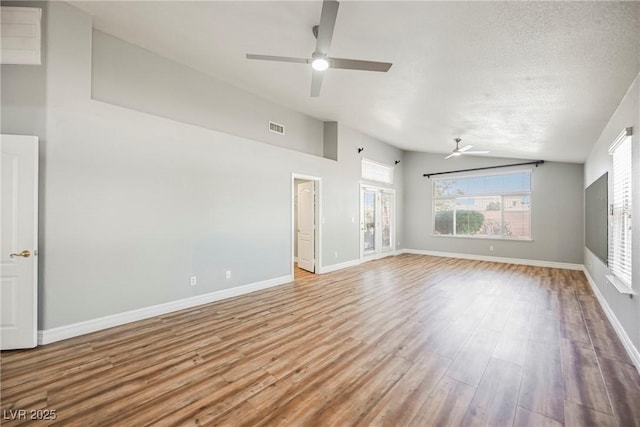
531	80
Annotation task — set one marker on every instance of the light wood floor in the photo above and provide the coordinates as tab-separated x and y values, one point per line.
405	341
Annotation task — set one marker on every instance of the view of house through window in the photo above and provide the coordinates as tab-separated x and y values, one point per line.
489	206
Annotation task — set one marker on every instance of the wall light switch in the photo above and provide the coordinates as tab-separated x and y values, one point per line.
227	274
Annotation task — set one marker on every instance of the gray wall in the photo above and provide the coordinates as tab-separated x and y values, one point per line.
330	140
349	142
627	310
133	204
130	76
556	212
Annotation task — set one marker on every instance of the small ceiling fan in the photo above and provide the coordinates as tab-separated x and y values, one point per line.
320	59
464	150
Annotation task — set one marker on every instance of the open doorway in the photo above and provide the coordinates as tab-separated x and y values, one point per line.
305	244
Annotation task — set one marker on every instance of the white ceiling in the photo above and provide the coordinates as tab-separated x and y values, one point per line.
531	80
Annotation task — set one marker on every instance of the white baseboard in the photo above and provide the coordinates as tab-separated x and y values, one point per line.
336	267
632	351
353	263
504	260
48	336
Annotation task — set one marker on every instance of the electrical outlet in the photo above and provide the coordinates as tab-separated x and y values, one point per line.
491	248
227	274
194	280
335	254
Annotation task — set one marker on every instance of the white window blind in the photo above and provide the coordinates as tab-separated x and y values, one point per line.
620	226
374	171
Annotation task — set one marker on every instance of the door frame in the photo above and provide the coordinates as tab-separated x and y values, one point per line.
316	219
380	253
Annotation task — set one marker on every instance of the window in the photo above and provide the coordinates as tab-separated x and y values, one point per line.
374	171
487	206
620	214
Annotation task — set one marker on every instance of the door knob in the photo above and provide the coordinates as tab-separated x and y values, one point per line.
24	254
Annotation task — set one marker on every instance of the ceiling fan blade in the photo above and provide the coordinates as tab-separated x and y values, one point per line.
278	58
356	64
316	82
450	155
465	148
327	23
477	152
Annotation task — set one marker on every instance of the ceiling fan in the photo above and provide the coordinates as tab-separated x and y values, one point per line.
464	150
320	59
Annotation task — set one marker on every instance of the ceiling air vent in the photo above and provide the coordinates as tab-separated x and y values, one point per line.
276	128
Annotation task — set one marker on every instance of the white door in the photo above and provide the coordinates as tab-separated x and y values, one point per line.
19	237
306	226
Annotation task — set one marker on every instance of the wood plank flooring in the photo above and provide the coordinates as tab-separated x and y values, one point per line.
404	341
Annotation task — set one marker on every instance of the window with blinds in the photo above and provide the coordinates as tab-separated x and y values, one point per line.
374	171
620	214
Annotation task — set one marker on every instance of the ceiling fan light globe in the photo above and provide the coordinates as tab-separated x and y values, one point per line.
320	64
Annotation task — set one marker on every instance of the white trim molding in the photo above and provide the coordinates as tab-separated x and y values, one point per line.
48	336
619	285
355	262
336	267
504	260
632	351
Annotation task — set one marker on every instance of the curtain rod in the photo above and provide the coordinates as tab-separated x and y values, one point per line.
537	162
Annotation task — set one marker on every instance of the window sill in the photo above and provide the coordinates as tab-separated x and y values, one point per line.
622	287
502	239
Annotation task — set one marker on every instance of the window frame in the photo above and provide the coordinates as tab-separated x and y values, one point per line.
435	199
617	276
390	168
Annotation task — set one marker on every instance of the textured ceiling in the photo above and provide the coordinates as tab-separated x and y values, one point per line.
531	80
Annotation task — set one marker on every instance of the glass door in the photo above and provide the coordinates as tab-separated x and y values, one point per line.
368	222
377	227
386	216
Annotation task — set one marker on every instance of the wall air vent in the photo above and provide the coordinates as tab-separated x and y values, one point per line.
20	35
276	128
